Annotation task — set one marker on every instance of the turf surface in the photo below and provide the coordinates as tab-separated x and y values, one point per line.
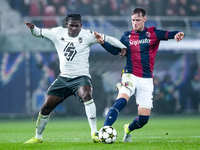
161	133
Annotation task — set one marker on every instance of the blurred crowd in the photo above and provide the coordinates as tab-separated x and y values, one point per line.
105	7
169	98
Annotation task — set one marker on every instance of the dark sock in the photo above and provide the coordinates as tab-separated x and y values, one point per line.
138	122
114	111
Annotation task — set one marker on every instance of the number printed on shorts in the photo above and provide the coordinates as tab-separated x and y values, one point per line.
69	51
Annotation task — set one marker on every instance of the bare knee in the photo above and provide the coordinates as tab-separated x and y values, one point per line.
86	96
50	103
85	93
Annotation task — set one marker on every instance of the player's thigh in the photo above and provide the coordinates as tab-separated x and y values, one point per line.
60	88
82	88
144	93
127	84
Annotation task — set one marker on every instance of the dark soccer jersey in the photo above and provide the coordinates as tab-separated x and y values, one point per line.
141	50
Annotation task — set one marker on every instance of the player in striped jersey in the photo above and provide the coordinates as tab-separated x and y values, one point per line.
137	78
73	48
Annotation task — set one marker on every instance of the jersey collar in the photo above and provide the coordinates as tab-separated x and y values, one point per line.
144	30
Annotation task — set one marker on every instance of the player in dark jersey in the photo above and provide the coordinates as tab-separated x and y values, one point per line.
142	44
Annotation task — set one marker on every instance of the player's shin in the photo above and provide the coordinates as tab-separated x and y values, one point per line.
90	110
114	111
138	122
42	120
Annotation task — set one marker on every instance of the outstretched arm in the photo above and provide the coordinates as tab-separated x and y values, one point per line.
111	49
179	36
34	30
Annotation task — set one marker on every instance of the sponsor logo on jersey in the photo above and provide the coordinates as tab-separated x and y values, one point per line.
142	41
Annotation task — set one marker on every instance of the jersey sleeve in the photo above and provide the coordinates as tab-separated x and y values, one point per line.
111	49
36	31
90	37
171	34
114	42
111	40
165	34
43	32
49	33
123	39
161	34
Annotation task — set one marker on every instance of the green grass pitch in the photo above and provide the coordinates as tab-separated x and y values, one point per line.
161	133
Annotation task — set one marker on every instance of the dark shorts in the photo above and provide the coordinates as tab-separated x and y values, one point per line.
65	87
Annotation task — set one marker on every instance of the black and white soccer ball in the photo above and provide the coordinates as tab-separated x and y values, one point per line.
107	134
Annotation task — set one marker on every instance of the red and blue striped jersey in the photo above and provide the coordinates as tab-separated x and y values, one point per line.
142	48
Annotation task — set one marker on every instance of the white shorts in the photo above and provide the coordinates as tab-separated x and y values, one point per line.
141	87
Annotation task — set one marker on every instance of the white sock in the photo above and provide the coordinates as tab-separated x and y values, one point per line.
42	120
90	110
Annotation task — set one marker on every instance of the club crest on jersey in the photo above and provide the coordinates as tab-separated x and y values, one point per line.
69	51
80	40
148	34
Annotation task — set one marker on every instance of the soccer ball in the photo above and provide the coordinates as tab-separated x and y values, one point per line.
107	134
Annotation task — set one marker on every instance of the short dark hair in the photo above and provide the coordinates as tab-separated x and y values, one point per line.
139	10
73	17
